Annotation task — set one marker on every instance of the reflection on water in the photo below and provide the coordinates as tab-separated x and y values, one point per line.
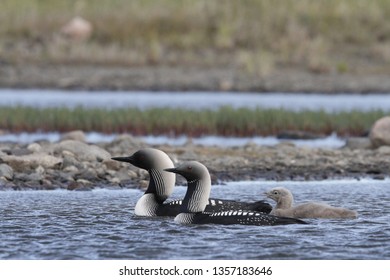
100	225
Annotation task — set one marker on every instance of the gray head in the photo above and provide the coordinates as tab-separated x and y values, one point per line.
282	196
154	161
199	185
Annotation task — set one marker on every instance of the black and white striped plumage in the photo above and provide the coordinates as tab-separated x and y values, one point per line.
161	184
194	204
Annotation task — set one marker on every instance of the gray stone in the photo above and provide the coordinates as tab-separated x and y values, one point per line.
34	147
71	161
6	171
384	150
87	174
32	161
125	174
380	132
30	178
82	151
126	143
76	135
358	143
80	185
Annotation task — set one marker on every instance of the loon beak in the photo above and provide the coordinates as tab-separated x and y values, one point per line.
172	170
124	159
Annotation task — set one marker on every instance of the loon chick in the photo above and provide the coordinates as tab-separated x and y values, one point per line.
161	186
194	209
284	207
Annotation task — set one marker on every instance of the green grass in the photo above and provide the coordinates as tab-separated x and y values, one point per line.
225	121
256	35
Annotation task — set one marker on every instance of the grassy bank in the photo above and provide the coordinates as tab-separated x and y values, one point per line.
225	121
254	35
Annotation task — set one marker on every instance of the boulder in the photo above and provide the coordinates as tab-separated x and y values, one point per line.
77	135
77	29
34	148
6	171
125	144
32	161
380	132
358	143
82	151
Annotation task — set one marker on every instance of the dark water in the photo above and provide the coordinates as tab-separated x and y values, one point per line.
100	225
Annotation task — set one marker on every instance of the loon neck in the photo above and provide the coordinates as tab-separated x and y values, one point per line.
197	195
161	184
285	202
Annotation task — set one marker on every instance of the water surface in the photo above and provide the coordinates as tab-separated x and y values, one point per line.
192	100
332	141
100	225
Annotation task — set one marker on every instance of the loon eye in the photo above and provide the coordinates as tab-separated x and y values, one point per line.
189	167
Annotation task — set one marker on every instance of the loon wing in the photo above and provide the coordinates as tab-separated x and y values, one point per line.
172	208
219	205
243	218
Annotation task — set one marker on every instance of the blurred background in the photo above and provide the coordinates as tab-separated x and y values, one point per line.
214	47
256	36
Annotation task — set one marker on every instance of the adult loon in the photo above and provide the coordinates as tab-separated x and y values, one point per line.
161	185
285	207
194	209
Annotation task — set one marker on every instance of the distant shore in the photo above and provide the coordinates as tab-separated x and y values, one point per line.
185	78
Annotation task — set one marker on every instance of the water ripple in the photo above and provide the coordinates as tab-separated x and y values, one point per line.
100	225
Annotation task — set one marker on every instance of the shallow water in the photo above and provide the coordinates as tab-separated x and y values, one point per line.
192	100
331	141
100	225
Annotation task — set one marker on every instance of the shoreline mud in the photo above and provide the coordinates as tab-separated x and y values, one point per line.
75	165
185	78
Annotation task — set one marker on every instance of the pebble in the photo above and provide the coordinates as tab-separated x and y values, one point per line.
72	164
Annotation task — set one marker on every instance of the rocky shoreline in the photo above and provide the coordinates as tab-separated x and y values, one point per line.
73	164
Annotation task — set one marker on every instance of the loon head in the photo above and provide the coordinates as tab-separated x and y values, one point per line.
191	170
147	159
154	161
199	185
281	196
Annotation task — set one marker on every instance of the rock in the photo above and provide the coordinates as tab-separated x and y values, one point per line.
71	169
6	185
80	185
32	178
380	132
84	182
34	147
82	151
20	152
32	161
126	174
358	143
384	150
76	135
71	161
77	29
87	174
112	164
126	143
6	171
